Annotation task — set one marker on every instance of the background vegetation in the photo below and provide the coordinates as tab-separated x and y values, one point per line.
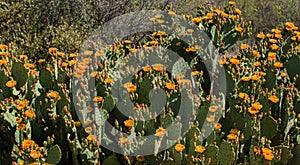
35	24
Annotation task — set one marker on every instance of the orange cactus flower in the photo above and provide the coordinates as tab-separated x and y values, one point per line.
30	113
199	149
11	83
274	99
129	123
35	154
179	147
160	132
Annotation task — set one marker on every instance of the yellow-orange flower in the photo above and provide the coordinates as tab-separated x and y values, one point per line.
23	57
239	29
72	55
267	153
108	80
30	113
276	31
246	78
22	104
124	140
27	143
231	3
222	61
171	13
278	64
72	62
209	16
3	62
290	26
179	147
196	73
160	132
98	99
35	154
260	35
146	68
11	83
273	41
274	99
60	54
243	95
238	11
234	131
190	49
283	74
19	120
244	46
28	65
41	61
256	53
255	77
255	108
130	87
94	74
232	136
256	150
218	126
197	20
199	149
223	14
4	53
232	17
274	47
159	67
211	118
257	105
54	95
91	137
128	123
272	56
52	50
213	108
88	130
257	63
64	64
270	35
3	46
170	86
278	36
234	61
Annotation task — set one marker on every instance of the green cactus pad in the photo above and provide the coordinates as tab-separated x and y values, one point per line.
270	79
54	155
268	127
111	160
19	74
212	152
226	154
290	66
46	79
144	90
109	103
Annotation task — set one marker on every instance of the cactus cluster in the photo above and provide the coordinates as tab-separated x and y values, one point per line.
49	113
